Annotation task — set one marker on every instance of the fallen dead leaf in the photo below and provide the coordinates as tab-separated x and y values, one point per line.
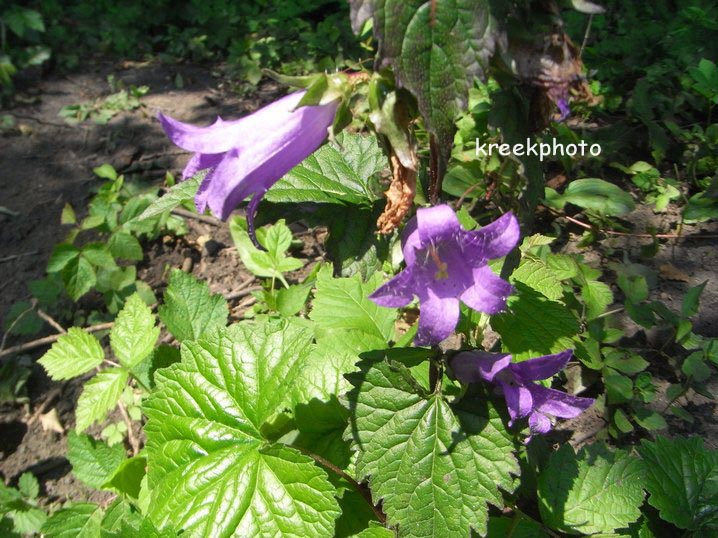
50	421
671	272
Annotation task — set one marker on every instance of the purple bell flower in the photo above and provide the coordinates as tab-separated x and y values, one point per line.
446	264
524	398
247	156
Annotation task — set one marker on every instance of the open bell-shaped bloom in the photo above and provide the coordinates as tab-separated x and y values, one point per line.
524	397
446	264
247	156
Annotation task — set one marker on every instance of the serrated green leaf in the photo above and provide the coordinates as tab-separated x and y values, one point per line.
28	521
93	461
562	265
99	396
338	173
176	194
79	521
595	491
353	245
621	421
436	468
208	413
619	388
190	310
343	303
79	277
597	296
61	255
536	275
682	480
28	486
99	255
436	50
534	325
134	333
74	354
125	246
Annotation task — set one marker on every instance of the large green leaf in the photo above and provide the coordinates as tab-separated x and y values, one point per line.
190	310
134	334
435	467
597	491
211	469
74	354
682	479
436	50
339	173
343	303
173	197
93	461
596	195
534	325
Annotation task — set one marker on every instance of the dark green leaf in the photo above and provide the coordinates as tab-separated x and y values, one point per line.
176	194
596	491
600	196
682	480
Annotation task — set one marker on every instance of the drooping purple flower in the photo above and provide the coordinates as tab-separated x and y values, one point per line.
524	397
446	264
564	109
247	156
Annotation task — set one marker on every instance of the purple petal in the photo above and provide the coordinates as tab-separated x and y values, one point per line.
539	423
557	403
436	224
438	317
488	293
541	367
473	366
563	108
397	292
223	135
201	161
519	400
494	240
410	241
265	159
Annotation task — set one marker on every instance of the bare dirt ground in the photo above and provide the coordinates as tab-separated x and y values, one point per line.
46	163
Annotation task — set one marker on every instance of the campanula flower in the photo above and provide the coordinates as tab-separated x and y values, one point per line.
446	264
524	398
247	156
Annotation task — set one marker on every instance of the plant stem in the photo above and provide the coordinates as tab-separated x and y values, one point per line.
134	442
361	489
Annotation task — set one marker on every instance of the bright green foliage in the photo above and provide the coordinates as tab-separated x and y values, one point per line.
93	461
190	310
597	490
208	413
74	354
273	261
128	476
342	304
99	396
134	334
682	480
436	50
81	520
340	173
125	246
535	325
436	467
20	506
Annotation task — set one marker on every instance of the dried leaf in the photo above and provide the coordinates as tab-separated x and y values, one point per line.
50	421
399	197
671	272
